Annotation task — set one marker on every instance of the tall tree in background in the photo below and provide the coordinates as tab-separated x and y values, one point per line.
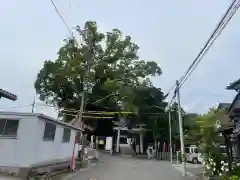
203	131
151	111
110	63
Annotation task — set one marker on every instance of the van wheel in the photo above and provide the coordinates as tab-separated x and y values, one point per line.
194	161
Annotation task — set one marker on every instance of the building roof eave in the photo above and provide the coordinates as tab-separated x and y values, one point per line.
224	105
42	116
234	101
232	86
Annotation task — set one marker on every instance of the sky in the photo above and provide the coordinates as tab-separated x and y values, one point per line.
168	32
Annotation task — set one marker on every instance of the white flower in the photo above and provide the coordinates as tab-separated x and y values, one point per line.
214	164
222	168
225	164
214	169
204	163
222	162
238	164
220	174
226	169
208	166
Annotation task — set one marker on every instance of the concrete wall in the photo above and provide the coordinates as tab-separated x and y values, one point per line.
29	148
16	152
52	150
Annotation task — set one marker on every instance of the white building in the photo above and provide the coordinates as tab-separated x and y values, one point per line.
28	139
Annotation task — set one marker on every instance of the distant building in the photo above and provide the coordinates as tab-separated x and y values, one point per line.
29	139
231	131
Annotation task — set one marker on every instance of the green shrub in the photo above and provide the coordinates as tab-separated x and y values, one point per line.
230	177
233	175
236	171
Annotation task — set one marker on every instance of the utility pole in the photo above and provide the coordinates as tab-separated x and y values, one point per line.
85	76
81	107
170	134
181	129
33	104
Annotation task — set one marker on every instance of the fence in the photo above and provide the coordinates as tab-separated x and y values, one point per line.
163	151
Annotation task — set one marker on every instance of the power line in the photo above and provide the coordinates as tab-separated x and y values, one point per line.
220	26
99	100
200	56
62	18
99	112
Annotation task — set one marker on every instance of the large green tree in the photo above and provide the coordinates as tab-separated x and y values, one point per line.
203	130
101	64
151	111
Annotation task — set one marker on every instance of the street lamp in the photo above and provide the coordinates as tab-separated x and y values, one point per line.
7	95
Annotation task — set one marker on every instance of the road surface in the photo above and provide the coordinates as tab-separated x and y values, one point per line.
127	168
192	169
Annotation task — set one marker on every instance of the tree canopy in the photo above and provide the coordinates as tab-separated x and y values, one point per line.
101	64
203	130
107	67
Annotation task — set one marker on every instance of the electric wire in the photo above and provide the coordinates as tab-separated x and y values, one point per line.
210	45
62	18
222	24
219	25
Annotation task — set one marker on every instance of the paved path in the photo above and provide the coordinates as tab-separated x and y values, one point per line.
192	169
126	168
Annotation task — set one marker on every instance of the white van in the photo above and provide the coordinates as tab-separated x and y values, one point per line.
192	154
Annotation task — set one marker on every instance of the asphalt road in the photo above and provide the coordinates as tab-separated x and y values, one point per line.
193	169
127	168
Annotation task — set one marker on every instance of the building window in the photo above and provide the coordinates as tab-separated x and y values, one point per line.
49	132
8	127
66	135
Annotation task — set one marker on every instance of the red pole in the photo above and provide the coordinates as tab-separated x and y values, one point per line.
164	147
73	163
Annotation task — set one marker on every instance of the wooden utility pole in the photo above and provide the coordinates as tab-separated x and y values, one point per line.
181	129
85	81
170	134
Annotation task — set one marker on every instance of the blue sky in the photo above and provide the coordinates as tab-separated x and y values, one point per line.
168	32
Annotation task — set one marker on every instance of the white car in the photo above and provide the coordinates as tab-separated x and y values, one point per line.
192	154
